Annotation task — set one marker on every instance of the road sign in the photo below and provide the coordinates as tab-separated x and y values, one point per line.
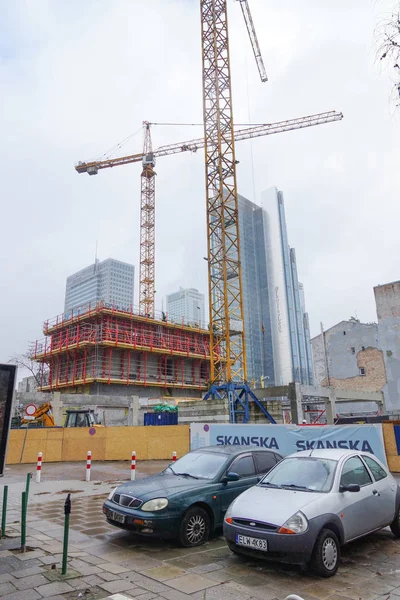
30	410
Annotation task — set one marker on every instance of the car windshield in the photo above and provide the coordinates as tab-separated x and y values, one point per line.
302	473
203	465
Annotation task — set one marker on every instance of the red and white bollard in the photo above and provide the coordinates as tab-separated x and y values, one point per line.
133	466
88	465
174	457
39	467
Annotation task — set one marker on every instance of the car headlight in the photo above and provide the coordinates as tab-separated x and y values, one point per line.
111	494
154	505
296	524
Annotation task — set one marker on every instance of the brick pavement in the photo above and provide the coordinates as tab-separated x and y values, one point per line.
105	561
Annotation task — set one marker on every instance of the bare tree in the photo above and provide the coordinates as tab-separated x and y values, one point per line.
388	48
38	370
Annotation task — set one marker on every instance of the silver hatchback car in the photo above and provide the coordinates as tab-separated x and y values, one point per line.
312	503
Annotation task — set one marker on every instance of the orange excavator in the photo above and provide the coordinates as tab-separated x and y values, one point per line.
43	415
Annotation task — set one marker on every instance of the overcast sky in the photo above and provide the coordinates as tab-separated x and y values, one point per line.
78	77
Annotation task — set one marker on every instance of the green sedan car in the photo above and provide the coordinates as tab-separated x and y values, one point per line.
188	500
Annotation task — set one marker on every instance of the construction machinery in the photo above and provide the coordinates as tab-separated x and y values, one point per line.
80	418
227	335
43	416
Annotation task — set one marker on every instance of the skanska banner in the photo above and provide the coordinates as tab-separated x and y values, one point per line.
287	439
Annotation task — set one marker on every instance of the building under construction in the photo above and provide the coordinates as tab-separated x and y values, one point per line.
91	349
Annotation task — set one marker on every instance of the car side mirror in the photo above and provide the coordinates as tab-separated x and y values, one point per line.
259	477
230	477
352	487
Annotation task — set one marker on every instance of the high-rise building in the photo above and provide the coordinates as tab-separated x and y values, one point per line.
110	281
255	293
291	357
186	306
276	324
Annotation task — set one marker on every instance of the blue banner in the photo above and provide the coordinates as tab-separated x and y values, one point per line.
286	439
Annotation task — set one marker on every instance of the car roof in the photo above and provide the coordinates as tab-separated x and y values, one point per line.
233	450
332	453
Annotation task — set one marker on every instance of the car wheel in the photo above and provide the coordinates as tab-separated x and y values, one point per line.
326	554
395	525
195	527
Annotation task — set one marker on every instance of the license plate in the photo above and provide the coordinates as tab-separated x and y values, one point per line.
250	542
115	516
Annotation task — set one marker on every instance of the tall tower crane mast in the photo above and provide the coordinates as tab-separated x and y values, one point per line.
227	335
147	226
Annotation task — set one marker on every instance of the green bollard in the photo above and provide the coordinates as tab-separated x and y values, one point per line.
23	522
4	512
67	512
28	483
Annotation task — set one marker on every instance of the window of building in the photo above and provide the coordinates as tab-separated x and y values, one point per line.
362	371
344	333
353	350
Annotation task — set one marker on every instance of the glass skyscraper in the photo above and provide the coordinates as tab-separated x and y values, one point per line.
257	321
110	281
276	325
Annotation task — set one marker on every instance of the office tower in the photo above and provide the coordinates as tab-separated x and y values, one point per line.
110	281
186	306
290	340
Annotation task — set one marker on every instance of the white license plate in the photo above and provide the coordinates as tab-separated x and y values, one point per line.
250	542
115	516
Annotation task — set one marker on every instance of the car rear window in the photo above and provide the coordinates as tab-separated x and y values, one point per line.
377	471
264	461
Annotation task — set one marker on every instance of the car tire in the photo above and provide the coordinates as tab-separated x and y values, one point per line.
195	527
326	554
395	525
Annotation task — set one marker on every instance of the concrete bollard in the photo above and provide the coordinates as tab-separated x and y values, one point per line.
174	457
88	465
39	467
133	466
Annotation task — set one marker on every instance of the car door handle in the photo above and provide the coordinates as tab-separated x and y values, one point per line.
375	493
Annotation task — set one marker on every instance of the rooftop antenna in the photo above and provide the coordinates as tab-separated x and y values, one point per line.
95	257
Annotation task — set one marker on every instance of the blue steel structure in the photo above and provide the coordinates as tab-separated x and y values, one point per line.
239	395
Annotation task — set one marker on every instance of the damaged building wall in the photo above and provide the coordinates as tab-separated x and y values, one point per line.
387	298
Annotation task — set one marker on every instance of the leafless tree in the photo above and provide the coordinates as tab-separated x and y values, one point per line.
36	369
387	37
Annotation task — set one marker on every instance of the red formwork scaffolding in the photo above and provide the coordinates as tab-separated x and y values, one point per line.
107	345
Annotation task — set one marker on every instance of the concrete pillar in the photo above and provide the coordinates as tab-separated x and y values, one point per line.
133	417
295	403
57	406
330	406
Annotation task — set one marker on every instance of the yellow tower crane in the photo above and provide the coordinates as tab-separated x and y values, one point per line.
227	335
147	203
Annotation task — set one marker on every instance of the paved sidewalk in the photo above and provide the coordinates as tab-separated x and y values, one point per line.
103	561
